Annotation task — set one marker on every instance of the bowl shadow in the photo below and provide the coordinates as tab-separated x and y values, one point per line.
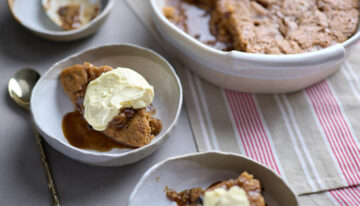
19	44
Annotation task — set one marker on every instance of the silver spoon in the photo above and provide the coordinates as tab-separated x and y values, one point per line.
20	87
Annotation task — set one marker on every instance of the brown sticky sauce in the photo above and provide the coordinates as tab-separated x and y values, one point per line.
79	134
70	16
196	22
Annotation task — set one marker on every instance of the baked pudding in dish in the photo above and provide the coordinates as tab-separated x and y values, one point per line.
113	108
242	191
266	26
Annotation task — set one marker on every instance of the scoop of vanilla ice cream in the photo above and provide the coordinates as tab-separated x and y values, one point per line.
236	196
107	94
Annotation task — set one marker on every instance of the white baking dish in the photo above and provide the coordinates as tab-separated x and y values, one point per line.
247	72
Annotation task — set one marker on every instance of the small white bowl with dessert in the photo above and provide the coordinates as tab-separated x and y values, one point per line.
61	20
209	179
108	106
259	46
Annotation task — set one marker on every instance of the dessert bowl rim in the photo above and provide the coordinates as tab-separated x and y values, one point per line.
225	154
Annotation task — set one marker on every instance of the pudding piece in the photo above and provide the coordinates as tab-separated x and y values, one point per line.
195	196
76	78
284	27
274	26
71	14
131	127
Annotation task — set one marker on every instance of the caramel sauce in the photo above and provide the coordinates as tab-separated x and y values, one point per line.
123	117
79	134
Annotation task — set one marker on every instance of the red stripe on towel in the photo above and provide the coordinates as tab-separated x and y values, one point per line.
349	196
337	131
254	139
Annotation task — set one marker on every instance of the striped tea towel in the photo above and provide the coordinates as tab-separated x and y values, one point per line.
310	138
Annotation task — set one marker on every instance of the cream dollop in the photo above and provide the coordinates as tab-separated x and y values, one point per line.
235	196
113	90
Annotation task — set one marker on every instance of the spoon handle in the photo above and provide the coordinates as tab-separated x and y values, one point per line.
50	181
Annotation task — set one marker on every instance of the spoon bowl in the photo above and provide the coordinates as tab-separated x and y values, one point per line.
20	86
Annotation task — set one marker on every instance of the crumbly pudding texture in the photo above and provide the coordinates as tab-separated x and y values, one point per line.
131	127
271	26
70	16
194	196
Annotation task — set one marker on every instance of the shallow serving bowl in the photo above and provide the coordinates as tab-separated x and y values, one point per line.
32	16
248	72
201	170
49	103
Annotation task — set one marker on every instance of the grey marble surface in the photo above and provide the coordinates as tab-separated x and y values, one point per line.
22	181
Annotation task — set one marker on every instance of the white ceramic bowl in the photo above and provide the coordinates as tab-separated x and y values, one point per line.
259	73
49	103
32	16
201	170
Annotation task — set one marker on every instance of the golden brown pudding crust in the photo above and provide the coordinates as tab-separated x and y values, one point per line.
280	26
136	132
76	78
131	127
193	197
